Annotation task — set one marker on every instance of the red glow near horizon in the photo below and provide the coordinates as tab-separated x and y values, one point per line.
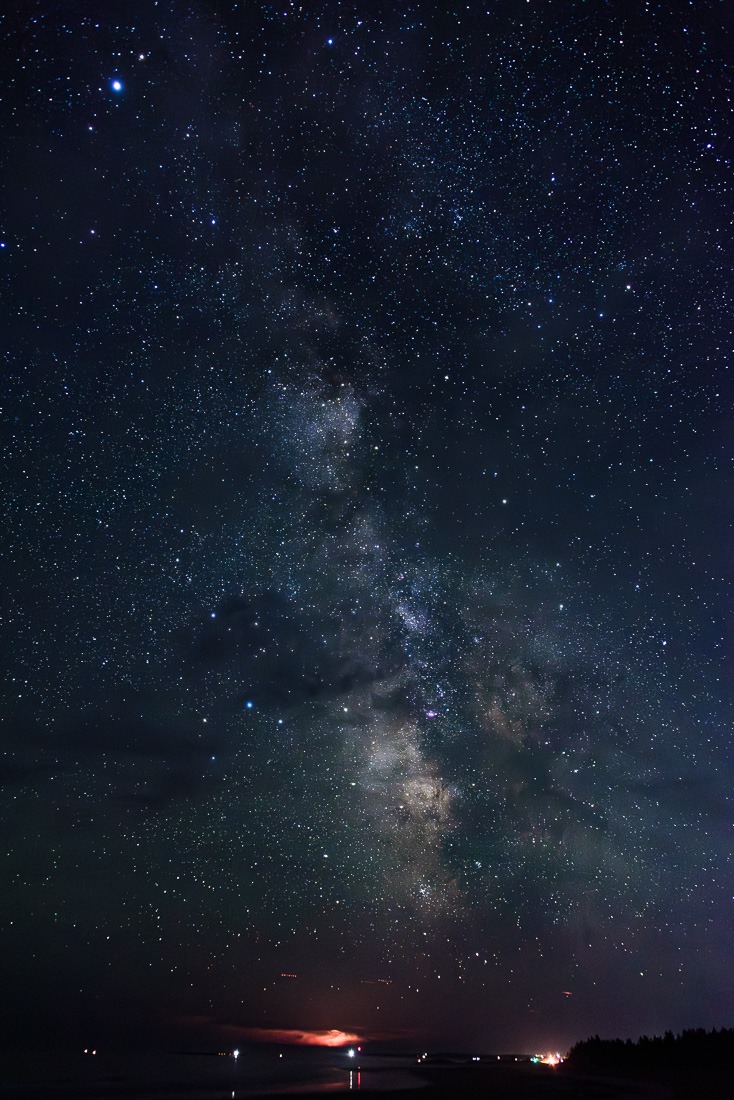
298	1037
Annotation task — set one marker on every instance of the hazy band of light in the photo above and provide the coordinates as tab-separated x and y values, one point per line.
298	1037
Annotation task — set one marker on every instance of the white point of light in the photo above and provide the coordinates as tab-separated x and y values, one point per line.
350	1052
235	1054
116	85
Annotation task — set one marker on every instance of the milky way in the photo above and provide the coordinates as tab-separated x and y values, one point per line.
367	456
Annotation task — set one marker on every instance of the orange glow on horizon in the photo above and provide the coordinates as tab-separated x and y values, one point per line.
551	1060
299	1037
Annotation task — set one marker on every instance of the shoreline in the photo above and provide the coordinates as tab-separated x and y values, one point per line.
389	1082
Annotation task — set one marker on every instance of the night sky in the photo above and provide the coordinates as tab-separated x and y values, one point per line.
367	449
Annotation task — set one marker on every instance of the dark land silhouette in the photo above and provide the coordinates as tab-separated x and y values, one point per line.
689	1051
694	1065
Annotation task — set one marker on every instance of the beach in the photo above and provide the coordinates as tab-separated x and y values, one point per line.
208	1077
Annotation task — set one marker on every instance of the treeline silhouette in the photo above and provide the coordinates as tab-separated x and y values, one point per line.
695	1049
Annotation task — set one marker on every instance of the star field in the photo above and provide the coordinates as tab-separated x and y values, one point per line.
367	481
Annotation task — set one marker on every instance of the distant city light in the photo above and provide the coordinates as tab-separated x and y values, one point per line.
547	1059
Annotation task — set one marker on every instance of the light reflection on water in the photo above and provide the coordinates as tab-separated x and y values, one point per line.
110	1076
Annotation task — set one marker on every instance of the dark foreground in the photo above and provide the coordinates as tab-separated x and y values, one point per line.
397	1082
526	1082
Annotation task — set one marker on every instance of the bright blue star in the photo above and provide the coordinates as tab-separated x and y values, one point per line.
329	41
249	704
116	85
